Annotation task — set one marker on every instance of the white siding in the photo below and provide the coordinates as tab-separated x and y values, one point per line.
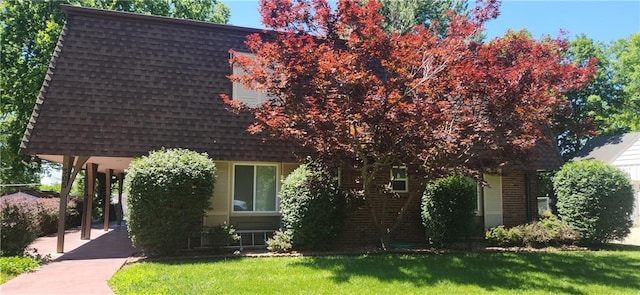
630	157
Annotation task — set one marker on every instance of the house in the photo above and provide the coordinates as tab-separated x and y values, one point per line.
621	151
30	194
120	85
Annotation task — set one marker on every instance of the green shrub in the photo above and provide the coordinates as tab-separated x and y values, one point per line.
549	231
501	236
221	236
312	206
448	208
596	199
168	193
280	242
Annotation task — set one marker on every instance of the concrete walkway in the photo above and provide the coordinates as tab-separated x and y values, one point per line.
83	269
633	238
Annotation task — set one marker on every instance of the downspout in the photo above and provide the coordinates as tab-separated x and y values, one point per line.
527	188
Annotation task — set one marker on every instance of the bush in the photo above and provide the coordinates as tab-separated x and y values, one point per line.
448	208
168	193
48	215
280	242
221	236
596	199
312	206
19	225
549	231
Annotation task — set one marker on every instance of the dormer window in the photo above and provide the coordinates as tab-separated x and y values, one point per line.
250	97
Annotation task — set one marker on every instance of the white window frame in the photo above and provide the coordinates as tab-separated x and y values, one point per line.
405	180
250	97
233	187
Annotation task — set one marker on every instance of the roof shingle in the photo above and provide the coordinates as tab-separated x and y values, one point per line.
122	84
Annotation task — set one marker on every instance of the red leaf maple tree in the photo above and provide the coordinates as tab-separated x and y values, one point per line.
349	92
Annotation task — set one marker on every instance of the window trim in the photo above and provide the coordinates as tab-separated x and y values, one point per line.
233	187
405	180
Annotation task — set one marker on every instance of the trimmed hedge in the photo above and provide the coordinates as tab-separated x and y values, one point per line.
168	193
448	207
596	199
312	207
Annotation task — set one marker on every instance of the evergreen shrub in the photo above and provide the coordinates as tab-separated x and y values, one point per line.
312	206
168	193
596	199
448	208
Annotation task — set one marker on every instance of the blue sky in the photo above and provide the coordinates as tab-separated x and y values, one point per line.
599	20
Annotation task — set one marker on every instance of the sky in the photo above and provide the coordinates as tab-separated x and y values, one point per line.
600	20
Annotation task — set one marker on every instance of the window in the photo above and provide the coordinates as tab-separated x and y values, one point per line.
250	97
399	180
254	188
545	191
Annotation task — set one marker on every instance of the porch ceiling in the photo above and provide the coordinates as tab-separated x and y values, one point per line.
118	164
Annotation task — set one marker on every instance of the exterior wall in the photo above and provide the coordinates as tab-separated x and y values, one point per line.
222	211
359	227
514	197
503	202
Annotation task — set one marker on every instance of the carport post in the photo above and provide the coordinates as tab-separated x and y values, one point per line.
107	198
87	215
69	172
119	210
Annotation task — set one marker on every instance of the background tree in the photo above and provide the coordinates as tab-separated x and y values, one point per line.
401	16
29	32
627	74
589	110
610	104
345	89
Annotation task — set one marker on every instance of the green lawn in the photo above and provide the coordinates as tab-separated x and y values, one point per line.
578	272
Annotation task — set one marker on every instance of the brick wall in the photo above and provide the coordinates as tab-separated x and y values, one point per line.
514	192
359	227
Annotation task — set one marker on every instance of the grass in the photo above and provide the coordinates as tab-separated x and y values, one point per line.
11	266
577	272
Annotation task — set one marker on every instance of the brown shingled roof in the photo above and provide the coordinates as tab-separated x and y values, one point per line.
122	84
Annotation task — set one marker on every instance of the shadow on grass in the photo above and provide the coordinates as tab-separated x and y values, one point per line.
491	271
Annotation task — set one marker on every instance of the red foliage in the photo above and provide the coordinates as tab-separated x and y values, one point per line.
344	88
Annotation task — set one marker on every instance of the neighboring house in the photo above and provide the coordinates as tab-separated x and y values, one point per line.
621	151
120	85
30	194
